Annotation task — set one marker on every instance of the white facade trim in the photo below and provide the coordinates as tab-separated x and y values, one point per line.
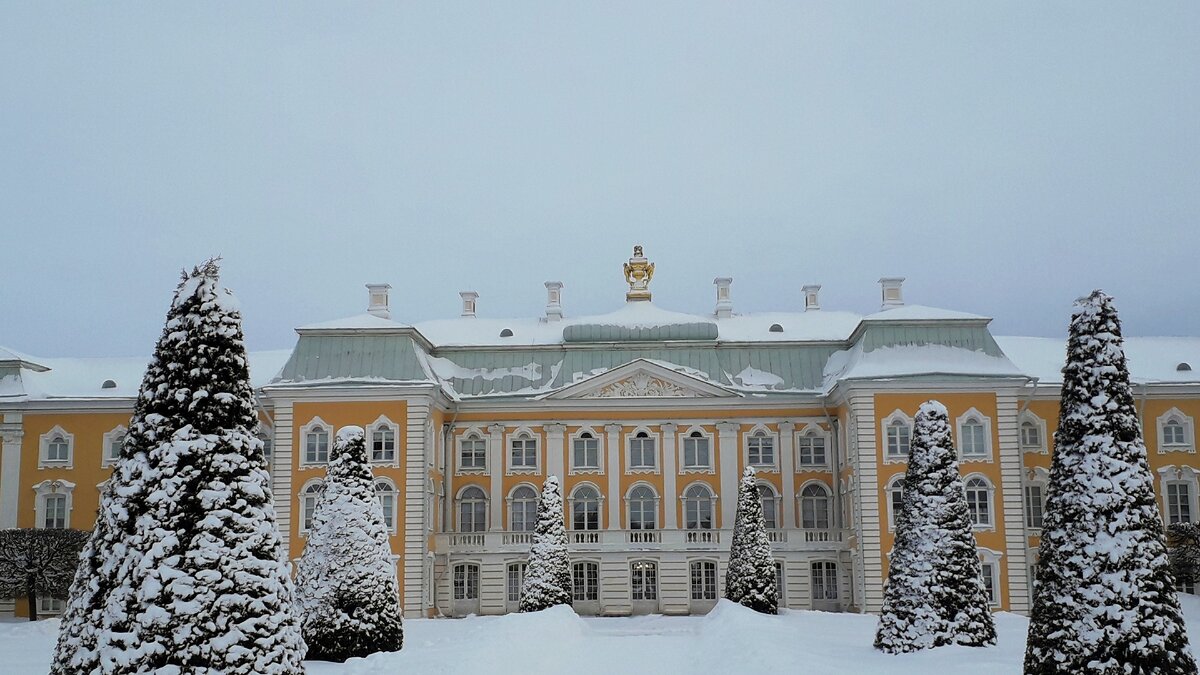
598	436
761	430
46	489
897	415
710	468
1043	444
474	432
989	526
1175	416
382	422
989	451
313	425
523	433
654	436
56	433
106	458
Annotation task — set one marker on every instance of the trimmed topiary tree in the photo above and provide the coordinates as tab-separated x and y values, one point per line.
935	593
38	563
548	574
750	577
346	589
185	569
1105	599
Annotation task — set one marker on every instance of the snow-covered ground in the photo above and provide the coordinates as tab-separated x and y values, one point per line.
729	640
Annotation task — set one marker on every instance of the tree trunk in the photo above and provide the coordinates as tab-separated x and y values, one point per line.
31	594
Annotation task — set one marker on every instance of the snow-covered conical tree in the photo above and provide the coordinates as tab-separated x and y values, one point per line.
548	574
1104	600
346	590
750	578
185	568
935	593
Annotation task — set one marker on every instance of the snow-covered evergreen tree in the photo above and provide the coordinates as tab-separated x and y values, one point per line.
346	589
935	593
548	574
1184	552
750	577
38	563
1105	599
185	567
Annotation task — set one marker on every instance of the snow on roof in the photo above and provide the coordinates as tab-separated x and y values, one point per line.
359	321
910	360
85	377
1151	359
920	313
11	356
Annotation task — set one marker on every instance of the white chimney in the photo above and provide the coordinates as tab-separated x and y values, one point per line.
811	300
377	300
468	300
554	300
724	301
892	290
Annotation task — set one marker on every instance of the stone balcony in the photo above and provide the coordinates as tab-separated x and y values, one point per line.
639	540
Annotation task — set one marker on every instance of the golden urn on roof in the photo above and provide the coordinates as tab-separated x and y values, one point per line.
638	273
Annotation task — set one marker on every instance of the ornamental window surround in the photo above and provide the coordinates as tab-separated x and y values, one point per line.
266	434
382	437
585	507
523	451
897	435
979	502
697	451
989	562
814	506
974	436
895	499
698	502
760	449
52	504
522	509
1032	433
113	441
57	449
472	509
641	452
1034	493
472	452
1175	432
643	507
811	448
308	502
586	455
770	504
386	493
315	436
1178	488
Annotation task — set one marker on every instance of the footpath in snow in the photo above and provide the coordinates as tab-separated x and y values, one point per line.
730	639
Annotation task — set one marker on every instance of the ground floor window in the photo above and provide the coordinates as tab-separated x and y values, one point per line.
824	581
704	580
50	606
643	579
779	582
1185	587
989	583
466	582
516	580
585	578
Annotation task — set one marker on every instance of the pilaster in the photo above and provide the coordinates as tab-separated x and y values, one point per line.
613	446
11	434
787	467
555	449
727	458
669	475
495	465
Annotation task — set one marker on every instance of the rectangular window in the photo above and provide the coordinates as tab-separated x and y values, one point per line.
812	451
704	580
642	452
466	582
973	440
696	452
824	581
114	447
516	580
473	454
587	452
1179	503
1034	506
524	453
387	502
383	445
50	605
779	594
1031	437
585	579
56	512
643	580
989	582
316	447
897	440
761	450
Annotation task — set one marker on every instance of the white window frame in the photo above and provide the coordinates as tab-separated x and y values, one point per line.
1178	474
44	461
586	564
395	510
50	606
578	435
1040	425
973	415
655	438
649	591
656	498
302	522
383	423
470	434
896	416
511	499
458	512
837	580
992	557
106	459
812	432
895	483
53	488
1034	477
704	589
989	526
314	424
521	567
709	438
761	432
829	506
523	434
574	498
712	501
1189	434
775	498
266	433
465	566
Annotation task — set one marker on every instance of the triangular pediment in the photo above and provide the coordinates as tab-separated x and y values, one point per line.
642	379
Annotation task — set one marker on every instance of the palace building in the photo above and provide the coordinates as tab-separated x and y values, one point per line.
649	417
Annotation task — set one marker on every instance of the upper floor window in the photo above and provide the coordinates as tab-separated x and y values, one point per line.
385	492
585	508
698	507
1179	502
472	510
308	504
113	442
811	448
696	451
895	493
316	445
56	448
979	501
642	451
1031	436
585	451
523	451
770	505
973	437
1035	505
760	449
1175	432
523	509
383	442
814	507
898	439
643	508
472	453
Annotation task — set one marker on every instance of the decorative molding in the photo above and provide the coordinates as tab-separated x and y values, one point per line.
596	435
896	416
1189	437
382	422
1043	446
641	385
44	448
107	460
312	425
986	423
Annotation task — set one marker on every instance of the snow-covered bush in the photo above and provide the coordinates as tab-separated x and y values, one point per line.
548	575
1184	552
185	569
935	593
750	578
1104	600
38	563
346	589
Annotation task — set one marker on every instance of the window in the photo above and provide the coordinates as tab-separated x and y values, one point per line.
704	580
1035	506
523	509
1173	433
268	445
472	453
814	507
824	581
698	508
523	452
979	501
973	438
766	494
56	446
386	493
383	444
642	453
54	512
1179	503
779	594
898	435
308	504
316	446
812	450
516	580
48	606
585	581
760	449
113	441
989	582
643	580
1031	437
585	508
643	508
1185	586
466	581
895	490
696	451
472	510
585	451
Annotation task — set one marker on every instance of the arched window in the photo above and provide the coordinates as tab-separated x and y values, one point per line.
898	439
264	434
895	493
472	453
643	508
698	507
770	505
472	510
385	492
696	452
523	452
1031	436
642	453
585	508
760	449
308	504
316	445
585	451
814	507
979	501
974	437
523	509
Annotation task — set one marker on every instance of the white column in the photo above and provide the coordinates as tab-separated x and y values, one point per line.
10	469
787	469
614	475
670	513
555	450
496	473
727	458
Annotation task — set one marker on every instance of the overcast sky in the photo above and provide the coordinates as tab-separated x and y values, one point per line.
1006	158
